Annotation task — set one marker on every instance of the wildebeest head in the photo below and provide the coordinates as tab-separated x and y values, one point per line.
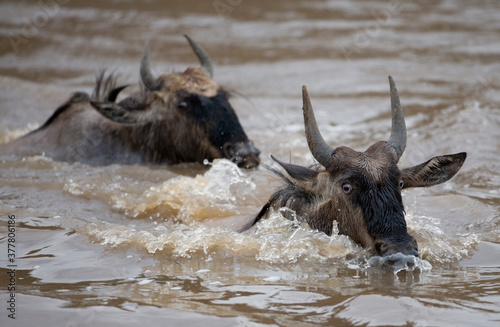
191	109
360	190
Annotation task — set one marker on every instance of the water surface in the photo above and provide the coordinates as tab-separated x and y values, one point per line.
100	246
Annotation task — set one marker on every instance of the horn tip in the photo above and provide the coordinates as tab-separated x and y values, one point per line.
392	84
304	91
146	49
204	58
191	42
306	101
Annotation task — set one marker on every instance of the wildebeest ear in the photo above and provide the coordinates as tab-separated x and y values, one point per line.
113	94
115	112
297	172
435	171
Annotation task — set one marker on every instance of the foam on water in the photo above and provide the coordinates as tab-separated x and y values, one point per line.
437	246
286	241
399	262
222	191
218	193
275	240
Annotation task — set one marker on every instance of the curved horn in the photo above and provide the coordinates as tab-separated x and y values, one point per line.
202	55
320	150
147	76
398	133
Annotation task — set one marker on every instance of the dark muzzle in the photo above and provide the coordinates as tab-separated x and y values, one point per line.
244	154
387	247
397	255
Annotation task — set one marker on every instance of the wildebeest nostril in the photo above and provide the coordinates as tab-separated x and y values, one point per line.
250	161
381	248
244	154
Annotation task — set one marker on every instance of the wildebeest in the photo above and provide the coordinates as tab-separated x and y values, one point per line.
360	190
177	117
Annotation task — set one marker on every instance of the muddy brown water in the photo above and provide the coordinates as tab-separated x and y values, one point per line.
128	245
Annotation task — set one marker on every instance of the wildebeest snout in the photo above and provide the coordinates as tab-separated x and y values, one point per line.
387	247
244	154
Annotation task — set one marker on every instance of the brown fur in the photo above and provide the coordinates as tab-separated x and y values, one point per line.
374	162
192	80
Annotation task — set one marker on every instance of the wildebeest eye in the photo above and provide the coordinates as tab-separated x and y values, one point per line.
182	105
401	183
347	188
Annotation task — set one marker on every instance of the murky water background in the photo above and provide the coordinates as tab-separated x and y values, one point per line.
132	245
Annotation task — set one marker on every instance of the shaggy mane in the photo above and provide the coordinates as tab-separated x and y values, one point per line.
105	90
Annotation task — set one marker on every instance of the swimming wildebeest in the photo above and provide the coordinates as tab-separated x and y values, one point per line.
177	117
360	190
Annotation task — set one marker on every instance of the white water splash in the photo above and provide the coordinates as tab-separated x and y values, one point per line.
399	262
216	193
435	245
